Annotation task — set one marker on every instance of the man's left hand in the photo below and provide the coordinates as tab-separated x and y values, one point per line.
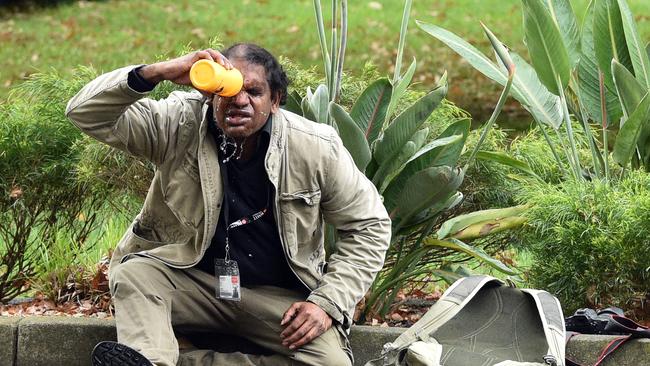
304	322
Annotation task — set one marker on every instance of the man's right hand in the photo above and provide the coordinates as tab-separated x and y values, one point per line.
178	70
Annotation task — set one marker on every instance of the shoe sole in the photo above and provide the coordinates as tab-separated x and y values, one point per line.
115	354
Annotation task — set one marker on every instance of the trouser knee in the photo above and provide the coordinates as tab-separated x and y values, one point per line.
139	273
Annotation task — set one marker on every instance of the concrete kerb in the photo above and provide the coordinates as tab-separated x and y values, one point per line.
65	341
8	340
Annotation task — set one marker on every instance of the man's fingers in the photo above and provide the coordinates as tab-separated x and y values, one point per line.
290	313
298	334
294	324
201	55
310	336
220	58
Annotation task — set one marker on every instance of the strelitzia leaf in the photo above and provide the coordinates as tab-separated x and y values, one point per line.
488	227
639	57
507	160
400	88
545	46
443	151
565	19
305	105
352	137
630	92
475	252
422	190
628	136
588	77
293	103
456	224
319	103
500	50
369	111
609	40
406	124
527	88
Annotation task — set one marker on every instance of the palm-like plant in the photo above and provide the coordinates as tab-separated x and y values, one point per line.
598	73
418	179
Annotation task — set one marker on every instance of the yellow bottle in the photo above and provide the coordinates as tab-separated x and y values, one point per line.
211	77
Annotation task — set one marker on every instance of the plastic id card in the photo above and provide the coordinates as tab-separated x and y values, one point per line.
228	285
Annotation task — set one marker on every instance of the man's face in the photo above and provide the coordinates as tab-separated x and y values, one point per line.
244	114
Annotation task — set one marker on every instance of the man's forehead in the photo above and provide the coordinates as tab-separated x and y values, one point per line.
254	74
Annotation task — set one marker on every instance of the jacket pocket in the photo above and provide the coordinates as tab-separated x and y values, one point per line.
301	220
183	193
142	239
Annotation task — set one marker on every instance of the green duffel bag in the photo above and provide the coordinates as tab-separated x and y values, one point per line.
481	321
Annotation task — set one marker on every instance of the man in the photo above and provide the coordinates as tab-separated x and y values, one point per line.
238	198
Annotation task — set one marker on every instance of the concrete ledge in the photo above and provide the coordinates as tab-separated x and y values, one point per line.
64	341
50	341
8	339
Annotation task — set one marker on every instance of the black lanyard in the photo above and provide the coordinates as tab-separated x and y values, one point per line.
250	218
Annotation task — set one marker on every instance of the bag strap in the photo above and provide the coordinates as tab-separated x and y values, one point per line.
550	313
611	347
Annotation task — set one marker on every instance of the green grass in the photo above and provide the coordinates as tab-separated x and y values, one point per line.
115	33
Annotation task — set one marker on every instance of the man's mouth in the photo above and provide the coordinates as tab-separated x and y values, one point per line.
237	116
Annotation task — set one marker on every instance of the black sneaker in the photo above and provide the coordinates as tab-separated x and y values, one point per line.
116	354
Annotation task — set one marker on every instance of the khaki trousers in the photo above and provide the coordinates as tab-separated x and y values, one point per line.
152	299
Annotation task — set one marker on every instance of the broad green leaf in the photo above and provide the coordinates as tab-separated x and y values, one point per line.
456	224
475	252
447	276
400	88
626	140
293	103
450	154
565	20
500	50
406	124
527	88
545	46
432	212
588	79
393	167
389	167
470	53
541	103
638	55
630	92
369	110
423	159
489	227
507	160
319	103
424	189
352	137
443	151
307	112
609	38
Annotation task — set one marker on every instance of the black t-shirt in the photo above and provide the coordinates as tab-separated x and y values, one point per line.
255	246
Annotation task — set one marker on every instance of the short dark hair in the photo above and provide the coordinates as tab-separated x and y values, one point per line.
275	75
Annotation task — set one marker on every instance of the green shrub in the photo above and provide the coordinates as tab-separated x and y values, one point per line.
591	241
40	194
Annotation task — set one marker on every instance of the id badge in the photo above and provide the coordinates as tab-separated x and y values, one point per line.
228	286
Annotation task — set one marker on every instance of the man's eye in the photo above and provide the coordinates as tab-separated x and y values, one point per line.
255	92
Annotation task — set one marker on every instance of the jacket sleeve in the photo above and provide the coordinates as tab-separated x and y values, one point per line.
352	204
110	111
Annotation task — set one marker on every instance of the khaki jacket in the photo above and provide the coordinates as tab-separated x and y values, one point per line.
314	177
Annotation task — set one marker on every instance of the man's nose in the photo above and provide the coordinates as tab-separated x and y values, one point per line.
240	98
